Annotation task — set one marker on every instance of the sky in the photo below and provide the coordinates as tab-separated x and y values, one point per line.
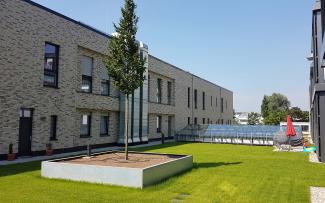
251	47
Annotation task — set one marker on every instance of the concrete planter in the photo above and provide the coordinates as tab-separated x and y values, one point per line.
122	176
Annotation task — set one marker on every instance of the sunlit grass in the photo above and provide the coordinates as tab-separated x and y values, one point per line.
221	173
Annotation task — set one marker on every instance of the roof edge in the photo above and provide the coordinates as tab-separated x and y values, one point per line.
67	18
190	73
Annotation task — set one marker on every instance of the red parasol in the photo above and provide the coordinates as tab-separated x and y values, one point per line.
290	131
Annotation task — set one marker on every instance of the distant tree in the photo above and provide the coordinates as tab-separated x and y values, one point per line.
253	118
274	118
295	113
274	108
264	106
123	62
305	116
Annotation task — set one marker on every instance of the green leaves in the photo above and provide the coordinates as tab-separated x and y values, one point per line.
123	63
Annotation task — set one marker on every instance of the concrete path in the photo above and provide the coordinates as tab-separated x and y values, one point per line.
56	156
317	194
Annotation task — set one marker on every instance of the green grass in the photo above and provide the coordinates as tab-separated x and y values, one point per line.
221	173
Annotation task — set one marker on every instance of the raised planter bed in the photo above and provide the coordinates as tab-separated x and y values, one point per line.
142	169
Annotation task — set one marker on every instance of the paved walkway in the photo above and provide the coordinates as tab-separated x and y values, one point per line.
317	194
56	156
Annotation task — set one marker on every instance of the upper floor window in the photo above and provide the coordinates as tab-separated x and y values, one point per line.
51	65
195	98
203	100
169	92
86	71
221	105
105	83
188	120
216	101
195	120
203	120
159	95
188	97
211	100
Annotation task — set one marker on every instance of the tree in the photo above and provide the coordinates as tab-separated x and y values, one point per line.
275	117
264	107
298	115
253	118
123	62
274	108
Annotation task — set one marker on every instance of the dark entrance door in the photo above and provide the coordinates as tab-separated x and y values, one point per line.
169	126
25	132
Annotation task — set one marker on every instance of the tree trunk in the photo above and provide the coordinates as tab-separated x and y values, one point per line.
126	123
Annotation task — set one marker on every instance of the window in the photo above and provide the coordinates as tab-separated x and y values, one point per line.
86	71
85	125
169	93
104	124
195	120
188	97
216	101
104	89
159	91
158	124
195	99
208	120
203	120
211	100
226	104
105	83
188	120
54	120
203	100
222	106
51	65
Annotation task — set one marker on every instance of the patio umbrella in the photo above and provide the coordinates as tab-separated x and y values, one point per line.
290	131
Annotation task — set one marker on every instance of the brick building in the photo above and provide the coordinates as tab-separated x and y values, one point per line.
55	88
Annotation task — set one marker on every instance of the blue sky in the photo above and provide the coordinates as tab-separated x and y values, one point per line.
251	47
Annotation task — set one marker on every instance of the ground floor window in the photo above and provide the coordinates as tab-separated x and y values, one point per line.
85	125
158	124
203	120
54	120
104	125
188	120
195	120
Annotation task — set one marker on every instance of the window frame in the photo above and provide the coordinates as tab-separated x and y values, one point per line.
55	70
203	100
188	97
89	125
107	82
158	125
106	116
169	92
53	127
159	90
195	98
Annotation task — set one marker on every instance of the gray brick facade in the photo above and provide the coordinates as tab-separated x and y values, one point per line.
25	28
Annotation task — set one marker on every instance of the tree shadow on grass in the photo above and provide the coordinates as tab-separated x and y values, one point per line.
15	169
214	164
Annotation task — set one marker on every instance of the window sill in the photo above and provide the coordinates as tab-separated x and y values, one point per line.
85	136
51	86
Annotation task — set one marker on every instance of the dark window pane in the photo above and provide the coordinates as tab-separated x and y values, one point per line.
104	125
50	49
104	87
85	125
86	85
53	127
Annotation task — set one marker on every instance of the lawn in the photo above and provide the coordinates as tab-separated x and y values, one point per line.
221	173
